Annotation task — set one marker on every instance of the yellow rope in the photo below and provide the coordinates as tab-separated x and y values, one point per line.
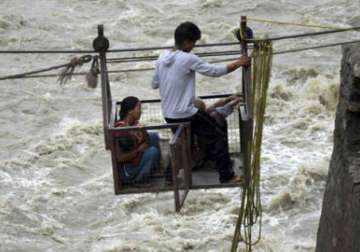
251	209
291	23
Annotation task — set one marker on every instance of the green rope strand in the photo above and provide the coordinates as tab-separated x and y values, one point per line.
251	208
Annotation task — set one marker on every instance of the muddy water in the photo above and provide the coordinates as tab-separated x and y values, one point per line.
55	176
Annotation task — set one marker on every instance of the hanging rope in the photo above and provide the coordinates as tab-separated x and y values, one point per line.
251	209
26	74
92	75
66	74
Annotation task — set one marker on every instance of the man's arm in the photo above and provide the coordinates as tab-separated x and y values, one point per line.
216	70
221	102
232	100
155	80
243	61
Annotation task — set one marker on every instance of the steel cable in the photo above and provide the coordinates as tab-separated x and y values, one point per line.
32	73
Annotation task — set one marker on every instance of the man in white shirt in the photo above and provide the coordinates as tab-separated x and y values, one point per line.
175	78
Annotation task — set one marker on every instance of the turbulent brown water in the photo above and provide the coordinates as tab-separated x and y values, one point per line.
55	176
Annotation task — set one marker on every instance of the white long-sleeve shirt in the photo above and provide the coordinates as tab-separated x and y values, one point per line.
175	77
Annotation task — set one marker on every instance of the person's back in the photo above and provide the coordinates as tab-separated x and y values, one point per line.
175	77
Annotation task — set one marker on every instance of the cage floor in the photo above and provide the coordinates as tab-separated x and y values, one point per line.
204	177
207	175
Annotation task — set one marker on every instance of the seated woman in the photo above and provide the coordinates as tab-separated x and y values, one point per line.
137	151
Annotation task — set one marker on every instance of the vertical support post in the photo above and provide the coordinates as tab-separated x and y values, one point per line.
175	161
188	170
181	159
246	71
247	92
101	44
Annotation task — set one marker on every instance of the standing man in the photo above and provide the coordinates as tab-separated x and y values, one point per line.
175	78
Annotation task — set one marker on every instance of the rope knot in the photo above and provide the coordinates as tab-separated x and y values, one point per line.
66	74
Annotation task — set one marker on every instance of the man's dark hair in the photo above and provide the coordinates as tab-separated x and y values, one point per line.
187	31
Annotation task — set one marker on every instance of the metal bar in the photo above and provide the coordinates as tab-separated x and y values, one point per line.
170	188
151	127
245	133
116	174
132	190
246	71
102	57
188	167
174	165
247	89
112	115
177	134
182	145
109	51
170	47
109	99
101	44
155	57
240	128
201	96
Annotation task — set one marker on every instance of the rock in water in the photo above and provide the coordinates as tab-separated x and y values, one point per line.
339	228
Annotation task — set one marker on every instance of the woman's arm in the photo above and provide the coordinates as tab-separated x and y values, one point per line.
128	147
124	156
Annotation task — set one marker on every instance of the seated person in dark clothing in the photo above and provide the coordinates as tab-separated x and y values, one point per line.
218	111
137	151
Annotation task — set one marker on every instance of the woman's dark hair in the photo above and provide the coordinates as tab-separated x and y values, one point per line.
186	31
127	104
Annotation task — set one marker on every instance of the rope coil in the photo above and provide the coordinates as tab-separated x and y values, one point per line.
251	210
66	74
